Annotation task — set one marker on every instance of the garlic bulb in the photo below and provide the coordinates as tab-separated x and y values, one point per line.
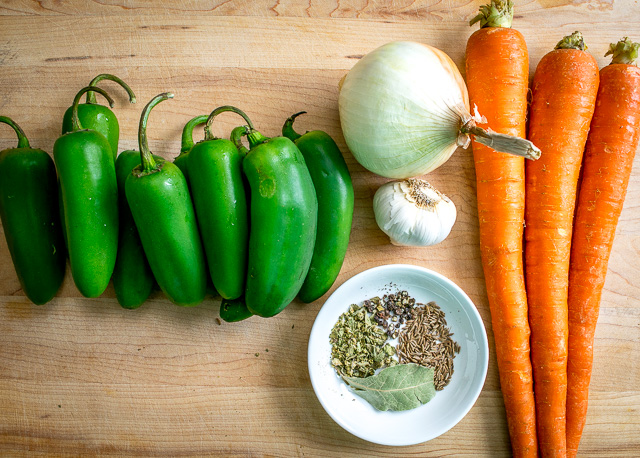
413	213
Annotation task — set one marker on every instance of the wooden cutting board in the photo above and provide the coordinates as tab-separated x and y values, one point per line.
80	376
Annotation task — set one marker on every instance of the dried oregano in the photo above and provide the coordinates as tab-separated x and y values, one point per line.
358	345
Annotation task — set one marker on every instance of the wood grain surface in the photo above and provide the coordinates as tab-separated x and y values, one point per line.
84	377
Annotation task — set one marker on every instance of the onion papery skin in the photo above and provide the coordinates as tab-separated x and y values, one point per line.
401	108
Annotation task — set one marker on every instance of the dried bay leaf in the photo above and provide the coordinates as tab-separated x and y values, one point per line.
400	387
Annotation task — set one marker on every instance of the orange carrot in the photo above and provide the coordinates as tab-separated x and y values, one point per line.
611	147
564	89
497	68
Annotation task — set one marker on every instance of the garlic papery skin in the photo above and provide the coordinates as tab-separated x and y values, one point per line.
413	213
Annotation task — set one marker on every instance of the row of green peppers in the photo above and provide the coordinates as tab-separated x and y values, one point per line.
269	222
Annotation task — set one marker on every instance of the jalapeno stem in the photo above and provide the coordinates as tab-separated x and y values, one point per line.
22	138
255	138
91	97
187	132
148	163
222	109
75	122
236	138
287	129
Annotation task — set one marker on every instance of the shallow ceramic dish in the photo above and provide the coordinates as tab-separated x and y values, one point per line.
449	405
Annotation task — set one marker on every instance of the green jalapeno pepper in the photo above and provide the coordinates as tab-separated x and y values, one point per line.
60	207
98	117
30	219
132	277
162	209
181	162
283	216
232	310
215	171
187	143
89	191
334	190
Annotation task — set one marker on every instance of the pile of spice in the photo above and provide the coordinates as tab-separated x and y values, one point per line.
358	345
426	340
392	311
425	351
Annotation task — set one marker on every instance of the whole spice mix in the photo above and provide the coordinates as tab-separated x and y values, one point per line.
359	347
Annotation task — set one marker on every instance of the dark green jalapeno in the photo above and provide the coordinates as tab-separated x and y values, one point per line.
232	310
132	277
187	143
30	219
60	207
334	190
98	117
162	209
89	192
181	162
283	215
215	171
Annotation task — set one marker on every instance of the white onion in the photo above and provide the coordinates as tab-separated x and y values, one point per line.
404	109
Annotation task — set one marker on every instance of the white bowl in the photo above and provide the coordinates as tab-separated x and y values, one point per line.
449	405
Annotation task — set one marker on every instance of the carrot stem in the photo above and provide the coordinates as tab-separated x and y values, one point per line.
573	41
498	13
623	52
